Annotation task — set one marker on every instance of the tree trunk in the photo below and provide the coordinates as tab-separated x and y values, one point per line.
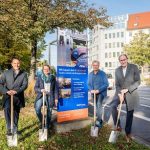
33	60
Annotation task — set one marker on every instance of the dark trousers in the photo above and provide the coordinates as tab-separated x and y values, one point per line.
7	112
129	116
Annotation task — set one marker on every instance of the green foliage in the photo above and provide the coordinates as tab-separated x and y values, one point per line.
75	140
53	70
13	48
30	20
138	49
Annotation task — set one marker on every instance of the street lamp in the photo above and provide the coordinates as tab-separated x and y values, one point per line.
49	51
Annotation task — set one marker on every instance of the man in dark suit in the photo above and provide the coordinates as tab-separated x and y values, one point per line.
13	82
127	80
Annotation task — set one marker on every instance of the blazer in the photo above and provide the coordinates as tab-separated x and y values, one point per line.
53	89
131	81
101	82
18	83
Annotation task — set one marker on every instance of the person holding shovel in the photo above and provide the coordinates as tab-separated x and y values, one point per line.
98	83
13	82
127	80
46	86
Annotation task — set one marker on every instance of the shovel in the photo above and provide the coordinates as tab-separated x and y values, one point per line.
114	134
43	132
12	139
94	129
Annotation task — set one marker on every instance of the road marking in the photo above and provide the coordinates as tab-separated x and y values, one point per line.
145	105
145	98
135	115
139	116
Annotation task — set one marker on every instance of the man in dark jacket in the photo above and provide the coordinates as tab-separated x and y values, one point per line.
127	80
13	82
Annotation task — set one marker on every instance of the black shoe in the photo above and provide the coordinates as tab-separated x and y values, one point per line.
9	132
18	133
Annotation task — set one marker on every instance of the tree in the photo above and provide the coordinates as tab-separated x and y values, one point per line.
10	48
138	49
33	18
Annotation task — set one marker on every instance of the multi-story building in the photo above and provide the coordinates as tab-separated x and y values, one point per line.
106	44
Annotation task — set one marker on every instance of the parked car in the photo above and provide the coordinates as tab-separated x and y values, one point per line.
111	81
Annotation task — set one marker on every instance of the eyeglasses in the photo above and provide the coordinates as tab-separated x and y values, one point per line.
95	65
122	59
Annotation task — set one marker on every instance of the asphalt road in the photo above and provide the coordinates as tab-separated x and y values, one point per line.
141	120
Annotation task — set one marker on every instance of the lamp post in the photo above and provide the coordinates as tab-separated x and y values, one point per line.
49	51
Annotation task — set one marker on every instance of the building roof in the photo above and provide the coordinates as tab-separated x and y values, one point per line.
139	21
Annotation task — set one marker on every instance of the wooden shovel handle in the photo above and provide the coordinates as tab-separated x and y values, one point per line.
94	108
43	110
12	113
121	96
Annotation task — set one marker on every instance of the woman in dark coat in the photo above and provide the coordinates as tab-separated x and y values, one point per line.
45	85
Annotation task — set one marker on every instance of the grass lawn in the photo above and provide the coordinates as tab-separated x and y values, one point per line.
75	140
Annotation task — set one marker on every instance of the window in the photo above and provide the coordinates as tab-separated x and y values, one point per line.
110	35
109	54
105	36
110	64
105	45
117	34
122	44
109	45
106	64
113	44
122	25
122	34
114	54
118	44
118	54
113	35
106	55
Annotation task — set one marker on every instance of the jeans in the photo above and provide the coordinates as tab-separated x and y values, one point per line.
7	113
99	101
38	106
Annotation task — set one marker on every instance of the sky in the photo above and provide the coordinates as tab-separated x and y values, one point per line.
114	8
120	7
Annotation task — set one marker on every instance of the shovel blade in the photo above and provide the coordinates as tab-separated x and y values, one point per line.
43	135
12	140
113	137
94	131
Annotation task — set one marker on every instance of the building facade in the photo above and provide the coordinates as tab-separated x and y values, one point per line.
106	44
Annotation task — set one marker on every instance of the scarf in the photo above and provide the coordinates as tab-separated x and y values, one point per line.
45	78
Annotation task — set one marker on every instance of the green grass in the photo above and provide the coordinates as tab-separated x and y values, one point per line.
75	140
